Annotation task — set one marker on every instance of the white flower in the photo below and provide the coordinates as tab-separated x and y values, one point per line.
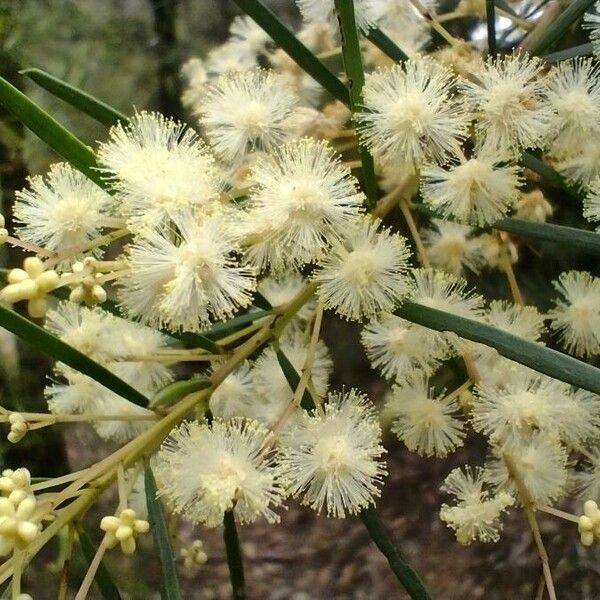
574	93
193	72
302	201
520	405
364	274
160	170
320	11
451	248
245	31
180	280
587	482
477	191
412	113
333	458
477	512
541	463
576	316
508	98
426	423
247	111
581	167
204	470
228	58
64	210
280	289
396	346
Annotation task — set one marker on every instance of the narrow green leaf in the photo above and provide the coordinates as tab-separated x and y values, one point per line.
293	379
86	103
261	302
587	241
490	15
195	340
582	50
385	44
234	556
104	581
170	582
401	569
177	390
50	131
355	73
292	46
557	29
540	358
224	329
506	7
548	173
50	344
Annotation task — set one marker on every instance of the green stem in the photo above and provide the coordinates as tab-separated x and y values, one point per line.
402	570
356	80
234	556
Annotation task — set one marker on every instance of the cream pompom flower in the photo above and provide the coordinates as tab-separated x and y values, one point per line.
412	114
61	211
179	280
511	111
477	191
160	169
233	397
576	315
591	202
574	93
365	273
323	11
477	512
204	470
592	22
396	346
540	462
246	111
302	201
426	423
333	458
450	247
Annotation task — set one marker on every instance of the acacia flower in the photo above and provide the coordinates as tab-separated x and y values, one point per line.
365	273
323	11
450	247
426	423
303	200
477	191
179	280
576	316
62	211
204	470
412	113
396	346
247	111
509	101
333	458
477	512
160	170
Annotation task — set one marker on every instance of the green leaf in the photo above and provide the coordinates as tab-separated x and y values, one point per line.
50	131
587	241
559	27
104	581
292	46
385	44
293	379
548	173
583	50
540	358
353	66
86	103
506	7
234	556
402	570
490	15
261	302
170	582
232	325
177	390
50	344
